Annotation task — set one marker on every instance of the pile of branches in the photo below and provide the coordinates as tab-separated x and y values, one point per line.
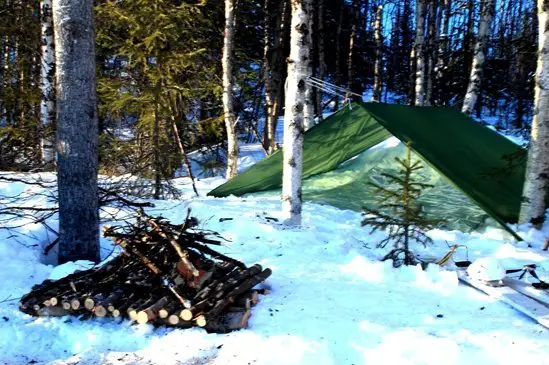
167	274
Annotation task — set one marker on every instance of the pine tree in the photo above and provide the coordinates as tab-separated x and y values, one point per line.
400	212
76	131
153	70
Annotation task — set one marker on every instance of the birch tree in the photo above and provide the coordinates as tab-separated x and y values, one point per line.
378	34
77	130
473	88
536	183
295	109
228	107
419	53
47	74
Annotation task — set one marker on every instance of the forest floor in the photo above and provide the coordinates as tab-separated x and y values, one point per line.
332	300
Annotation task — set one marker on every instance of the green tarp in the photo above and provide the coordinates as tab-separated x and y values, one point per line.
475	159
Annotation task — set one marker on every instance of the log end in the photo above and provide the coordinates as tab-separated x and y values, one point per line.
142	317
100	311
201	321
163	313
173	320
186	315
89	304
75	304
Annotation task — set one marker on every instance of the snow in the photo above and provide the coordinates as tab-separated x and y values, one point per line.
486	269
332	301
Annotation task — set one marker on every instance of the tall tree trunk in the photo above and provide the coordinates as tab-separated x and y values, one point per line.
321	56
536	183
277	72
379	45
352	36
228	108
419	53
432	34
77	130
338	52
309	112
473	90
3	62
443	46
295	110
156	144
184	156
267	76
47	87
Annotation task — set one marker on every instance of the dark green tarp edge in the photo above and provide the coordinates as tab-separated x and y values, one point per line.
468	154
338	138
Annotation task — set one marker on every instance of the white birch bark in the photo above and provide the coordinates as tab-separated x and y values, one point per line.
295	110
228	108
378	34
473	89
47	88
536	182
419	53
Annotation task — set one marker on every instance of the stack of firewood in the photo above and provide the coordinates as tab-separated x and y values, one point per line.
167	275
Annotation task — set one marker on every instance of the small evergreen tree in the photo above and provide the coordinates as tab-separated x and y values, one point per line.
400	212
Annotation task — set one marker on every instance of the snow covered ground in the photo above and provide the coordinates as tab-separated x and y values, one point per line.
332	301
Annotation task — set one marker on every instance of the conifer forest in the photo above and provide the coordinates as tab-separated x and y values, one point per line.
274	182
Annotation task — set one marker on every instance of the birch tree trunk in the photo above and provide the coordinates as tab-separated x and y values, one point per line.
536	183
321	56
295	110
47	87
77	130
473	88
419	53
228	108
378	33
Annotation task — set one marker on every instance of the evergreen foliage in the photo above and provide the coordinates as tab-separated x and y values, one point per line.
399	211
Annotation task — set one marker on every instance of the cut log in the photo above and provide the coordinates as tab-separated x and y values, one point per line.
238	290
89	303
100	311
150	313
200	321
154	281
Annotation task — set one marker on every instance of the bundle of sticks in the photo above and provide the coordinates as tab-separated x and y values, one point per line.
167	274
